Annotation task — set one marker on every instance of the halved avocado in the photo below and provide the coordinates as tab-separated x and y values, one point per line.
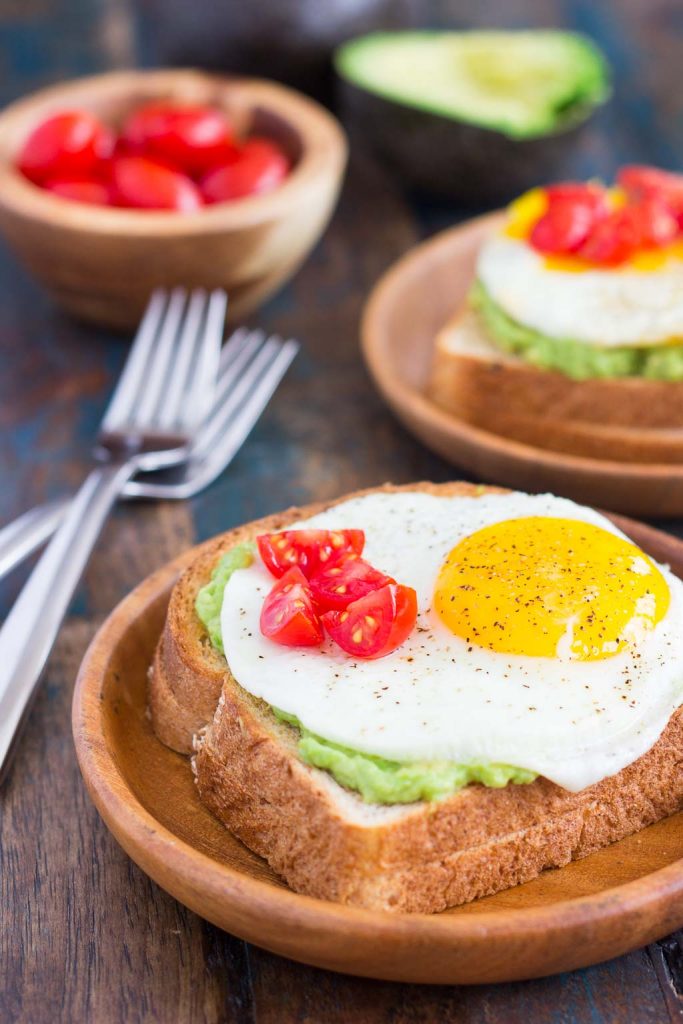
477	116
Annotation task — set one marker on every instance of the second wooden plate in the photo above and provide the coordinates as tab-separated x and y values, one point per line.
411	302
613	901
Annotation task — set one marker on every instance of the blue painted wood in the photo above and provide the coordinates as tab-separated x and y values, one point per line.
325	432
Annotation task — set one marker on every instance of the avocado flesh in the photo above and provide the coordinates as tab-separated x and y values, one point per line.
575	359
376	779
522	84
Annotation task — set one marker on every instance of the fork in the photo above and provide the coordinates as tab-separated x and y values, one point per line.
250	368
166	387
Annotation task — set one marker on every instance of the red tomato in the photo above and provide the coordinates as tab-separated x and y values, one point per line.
288	616
615	239
656	221
345	581
640	182
584	192
150	185
259	167
193	138
374	625
80	190
67	145
564	227
309	550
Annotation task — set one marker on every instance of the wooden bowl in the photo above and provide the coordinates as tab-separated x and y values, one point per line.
406	309
602	906
101	264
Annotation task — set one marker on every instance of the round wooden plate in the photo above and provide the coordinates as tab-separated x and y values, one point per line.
411	302
591	910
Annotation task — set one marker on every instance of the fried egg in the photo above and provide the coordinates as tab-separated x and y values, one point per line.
545	639
605	307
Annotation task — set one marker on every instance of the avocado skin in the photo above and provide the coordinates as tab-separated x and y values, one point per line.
452	159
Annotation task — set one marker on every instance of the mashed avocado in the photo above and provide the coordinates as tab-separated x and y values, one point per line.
209	600
575	359
394	782
377	780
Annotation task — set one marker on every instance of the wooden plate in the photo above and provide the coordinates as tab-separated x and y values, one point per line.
597	908
403	314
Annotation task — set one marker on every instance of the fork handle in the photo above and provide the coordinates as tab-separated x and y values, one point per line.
24	535
31	627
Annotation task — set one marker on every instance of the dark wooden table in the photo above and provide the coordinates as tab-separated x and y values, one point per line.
84	935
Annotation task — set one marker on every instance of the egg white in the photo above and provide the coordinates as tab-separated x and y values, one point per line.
610	307
438	698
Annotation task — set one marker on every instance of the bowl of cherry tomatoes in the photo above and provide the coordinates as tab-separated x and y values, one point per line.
114	185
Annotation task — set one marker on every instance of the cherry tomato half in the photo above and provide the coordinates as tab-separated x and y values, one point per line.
615	239
67	145
564	227
344	581
586	193
150	185
656	221
259	167
374	625
639	180
309	550
288	616
80	190
641	183
192	138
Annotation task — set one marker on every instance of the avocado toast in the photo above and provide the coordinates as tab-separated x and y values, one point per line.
324	838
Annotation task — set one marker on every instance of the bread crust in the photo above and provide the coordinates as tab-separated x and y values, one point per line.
322	839
626	419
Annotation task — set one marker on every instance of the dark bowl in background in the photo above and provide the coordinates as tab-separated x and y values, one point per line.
290	41
455	160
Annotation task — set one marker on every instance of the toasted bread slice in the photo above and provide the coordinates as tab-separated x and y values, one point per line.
324	840
626	419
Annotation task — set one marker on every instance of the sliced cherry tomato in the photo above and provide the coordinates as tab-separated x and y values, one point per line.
585	192
655	220
640	182
374	625
288	615
150	185
259	167
307	549
615	239
564	227
67	145
344	581
80	190
193	138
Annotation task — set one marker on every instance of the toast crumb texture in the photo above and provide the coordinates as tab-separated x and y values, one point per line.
324	840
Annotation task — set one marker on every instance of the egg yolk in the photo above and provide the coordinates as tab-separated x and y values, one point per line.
547	588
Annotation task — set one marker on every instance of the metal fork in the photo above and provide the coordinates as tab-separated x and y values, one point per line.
250	369
164	392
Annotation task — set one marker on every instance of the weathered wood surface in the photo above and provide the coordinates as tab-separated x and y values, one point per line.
84	935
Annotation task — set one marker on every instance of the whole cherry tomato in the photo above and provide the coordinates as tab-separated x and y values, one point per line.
288	615
80	190
192	138
68	145
150	185
259	167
